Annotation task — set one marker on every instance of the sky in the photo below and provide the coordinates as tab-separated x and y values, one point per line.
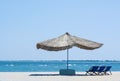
24	23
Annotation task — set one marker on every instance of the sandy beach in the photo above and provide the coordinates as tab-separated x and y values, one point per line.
54	76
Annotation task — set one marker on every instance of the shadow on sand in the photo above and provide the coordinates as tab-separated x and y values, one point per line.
59	75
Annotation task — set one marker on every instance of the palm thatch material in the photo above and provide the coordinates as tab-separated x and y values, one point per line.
67	41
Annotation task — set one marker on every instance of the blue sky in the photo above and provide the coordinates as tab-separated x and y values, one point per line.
23	23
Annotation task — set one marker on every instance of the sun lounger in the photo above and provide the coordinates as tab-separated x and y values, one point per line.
107	69
92	70
101	70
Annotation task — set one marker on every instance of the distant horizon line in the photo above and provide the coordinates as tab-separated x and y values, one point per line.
60	60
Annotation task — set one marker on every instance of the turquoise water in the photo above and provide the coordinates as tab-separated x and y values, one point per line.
54	66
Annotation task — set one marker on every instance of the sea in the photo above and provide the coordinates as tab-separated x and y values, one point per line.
55	65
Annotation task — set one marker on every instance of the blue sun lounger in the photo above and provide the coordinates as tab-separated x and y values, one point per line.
107	69
101	70
92	70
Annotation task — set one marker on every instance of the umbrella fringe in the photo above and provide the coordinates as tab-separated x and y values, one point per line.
49	48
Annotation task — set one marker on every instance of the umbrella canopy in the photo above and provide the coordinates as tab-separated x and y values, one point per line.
67	41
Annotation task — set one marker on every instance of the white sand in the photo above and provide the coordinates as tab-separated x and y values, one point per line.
53	76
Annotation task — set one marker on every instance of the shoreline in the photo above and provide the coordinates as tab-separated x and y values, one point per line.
54	76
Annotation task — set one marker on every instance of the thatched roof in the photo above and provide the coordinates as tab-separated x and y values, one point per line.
67	41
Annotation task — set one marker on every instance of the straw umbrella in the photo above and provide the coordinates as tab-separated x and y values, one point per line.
67	41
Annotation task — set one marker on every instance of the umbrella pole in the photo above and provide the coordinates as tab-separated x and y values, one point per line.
67	58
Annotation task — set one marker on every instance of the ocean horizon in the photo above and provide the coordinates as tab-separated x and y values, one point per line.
54	65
